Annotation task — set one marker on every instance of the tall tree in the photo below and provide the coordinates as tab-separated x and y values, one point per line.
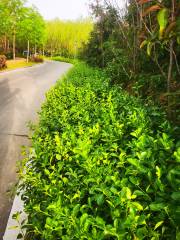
15	11
163	32
31	30
5	24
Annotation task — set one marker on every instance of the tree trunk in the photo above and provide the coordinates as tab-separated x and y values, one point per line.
134	45
35	50
14	46
170	75
101	45
8	45
51	51
171	50
75	48
5	44
170	67
28	52
43	51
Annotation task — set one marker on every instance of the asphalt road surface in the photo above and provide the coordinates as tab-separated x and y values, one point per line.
21	95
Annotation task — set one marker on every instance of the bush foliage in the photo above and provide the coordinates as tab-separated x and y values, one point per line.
64	59
2	62
37	59
101	166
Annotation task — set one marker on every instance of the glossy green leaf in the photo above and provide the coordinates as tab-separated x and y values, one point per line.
176	196
158	224
157	206
162	18
149	48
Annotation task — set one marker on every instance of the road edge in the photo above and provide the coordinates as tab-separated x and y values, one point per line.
12	228
22	68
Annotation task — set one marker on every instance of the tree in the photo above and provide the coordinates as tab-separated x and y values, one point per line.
139	47
5	23
98	50
15	11
21	24
31	30
164	31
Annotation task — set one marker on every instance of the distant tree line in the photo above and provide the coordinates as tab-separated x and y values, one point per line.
22	29
65	38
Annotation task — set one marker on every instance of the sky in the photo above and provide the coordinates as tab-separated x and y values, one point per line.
63	9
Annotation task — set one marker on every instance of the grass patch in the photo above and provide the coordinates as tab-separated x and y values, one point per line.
19	63
101	166
64	59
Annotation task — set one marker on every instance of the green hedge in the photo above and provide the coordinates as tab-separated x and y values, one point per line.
101	166
64	59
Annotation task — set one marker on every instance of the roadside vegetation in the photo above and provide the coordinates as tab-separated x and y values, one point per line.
18	63
64	59
101	166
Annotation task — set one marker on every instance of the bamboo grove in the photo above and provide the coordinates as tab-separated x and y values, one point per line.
65	38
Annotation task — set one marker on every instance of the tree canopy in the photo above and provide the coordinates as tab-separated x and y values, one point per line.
19	25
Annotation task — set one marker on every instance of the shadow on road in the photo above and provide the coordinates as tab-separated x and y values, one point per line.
8	150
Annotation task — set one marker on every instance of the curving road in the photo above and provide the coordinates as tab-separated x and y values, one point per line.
21	94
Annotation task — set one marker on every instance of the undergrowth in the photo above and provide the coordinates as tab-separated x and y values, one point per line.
64	59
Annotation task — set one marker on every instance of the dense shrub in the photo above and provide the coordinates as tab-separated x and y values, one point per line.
2	62
101	165
37	59
116	69
64	59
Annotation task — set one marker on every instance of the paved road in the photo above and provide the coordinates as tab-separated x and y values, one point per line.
21	94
